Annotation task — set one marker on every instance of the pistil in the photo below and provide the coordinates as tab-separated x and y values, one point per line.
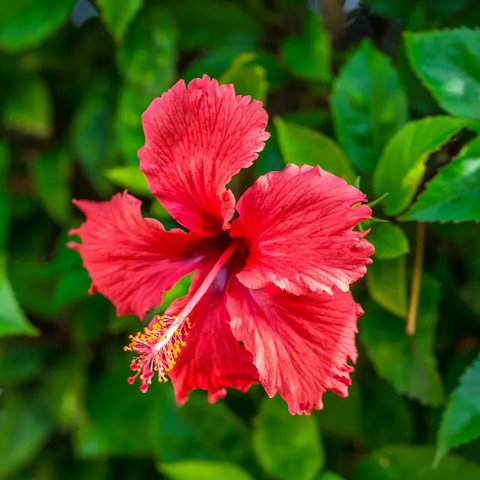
158	345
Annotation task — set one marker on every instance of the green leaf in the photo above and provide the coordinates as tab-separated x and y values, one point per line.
12	319
166	431
147	58
330	476
203	470
387	284
407	362
308	57
51	176
130	177
448	63
401	167
26	23
413	463
212	24
4	201
461	419
342	416
108	428
66	386
454	193
92	132
301	145
389	241
25	425
368	105
247	76
288	447
132	102
181	433
118	14
28	109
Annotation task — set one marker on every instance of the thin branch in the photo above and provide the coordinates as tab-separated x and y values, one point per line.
416	279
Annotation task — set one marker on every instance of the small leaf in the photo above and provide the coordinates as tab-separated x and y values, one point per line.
387	284
389	241
447	63
301	145
407	362
212	24
129	177
12	319
147	58
413	463
26	23
454	193
368	105
203	470
28	109
461	419
401	167
92	132
288	447
308	57
4	200
51	176
248	77
25	425
132	102
330	476
118	14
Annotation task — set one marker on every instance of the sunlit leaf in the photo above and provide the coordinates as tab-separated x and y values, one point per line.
389	241
368	105
129	177
387	284
248	77
453	195
203	470
461	419
26	23
402	164
308	56
447	63
12	318
303	146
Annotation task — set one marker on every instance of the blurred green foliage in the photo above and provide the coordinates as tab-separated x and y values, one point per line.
386	96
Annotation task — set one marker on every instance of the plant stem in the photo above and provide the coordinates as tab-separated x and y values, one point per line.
416	279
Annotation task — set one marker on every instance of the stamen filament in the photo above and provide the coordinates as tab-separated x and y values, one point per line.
208	280
159	345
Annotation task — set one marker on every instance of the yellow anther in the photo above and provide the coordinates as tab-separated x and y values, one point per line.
157	348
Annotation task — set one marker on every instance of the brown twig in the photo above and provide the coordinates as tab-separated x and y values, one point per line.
416	279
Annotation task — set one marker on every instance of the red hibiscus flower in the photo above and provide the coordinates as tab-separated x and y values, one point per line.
270	299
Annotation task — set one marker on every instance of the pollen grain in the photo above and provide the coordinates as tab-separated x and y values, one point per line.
157	348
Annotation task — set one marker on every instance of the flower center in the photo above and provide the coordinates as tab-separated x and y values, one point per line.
158	345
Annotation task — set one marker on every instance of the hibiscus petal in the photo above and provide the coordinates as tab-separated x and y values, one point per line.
132	260
298	226
197	138
301	345
212	359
